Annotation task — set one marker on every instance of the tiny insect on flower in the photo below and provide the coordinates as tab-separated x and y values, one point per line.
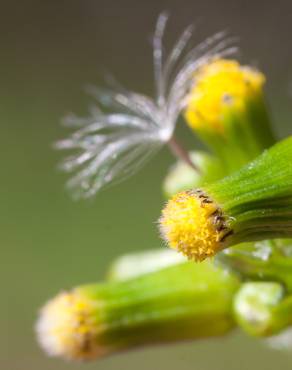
112	146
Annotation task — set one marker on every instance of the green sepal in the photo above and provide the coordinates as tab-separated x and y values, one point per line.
245	134
184	301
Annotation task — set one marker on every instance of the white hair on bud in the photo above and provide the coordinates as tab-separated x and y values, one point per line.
67	328
112	146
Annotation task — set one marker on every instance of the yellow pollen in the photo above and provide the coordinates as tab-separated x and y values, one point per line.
220	86
68	327
192	224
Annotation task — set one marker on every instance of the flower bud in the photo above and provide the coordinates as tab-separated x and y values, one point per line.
227	110
254	203
181	302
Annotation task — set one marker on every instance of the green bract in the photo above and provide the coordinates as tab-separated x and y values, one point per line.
181	302
256	201
246	134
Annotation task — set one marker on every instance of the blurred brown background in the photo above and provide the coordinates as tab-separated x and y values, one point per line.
49	51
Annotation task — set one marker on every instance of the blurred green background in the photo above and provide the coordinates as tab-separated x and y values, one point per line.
50	50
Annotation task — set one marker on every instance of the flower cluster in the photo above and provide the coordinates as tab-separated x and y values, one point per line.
231	201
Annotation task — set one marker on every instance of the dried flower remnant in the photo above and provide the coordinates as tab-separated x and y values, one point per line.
112	146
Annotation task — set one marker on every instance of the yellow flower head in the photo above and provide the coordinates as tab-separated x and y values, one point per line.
68	327
194	225
220	86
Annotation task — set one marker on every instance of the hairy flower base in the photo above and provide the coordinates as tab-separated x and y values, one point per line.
193	224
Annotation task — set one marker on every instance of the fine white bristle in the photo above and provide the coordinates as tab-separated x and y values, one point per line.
113	146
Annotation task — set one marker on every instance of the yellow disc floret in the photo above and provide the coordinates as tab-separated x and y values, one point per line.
68	327
218	87
193	224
